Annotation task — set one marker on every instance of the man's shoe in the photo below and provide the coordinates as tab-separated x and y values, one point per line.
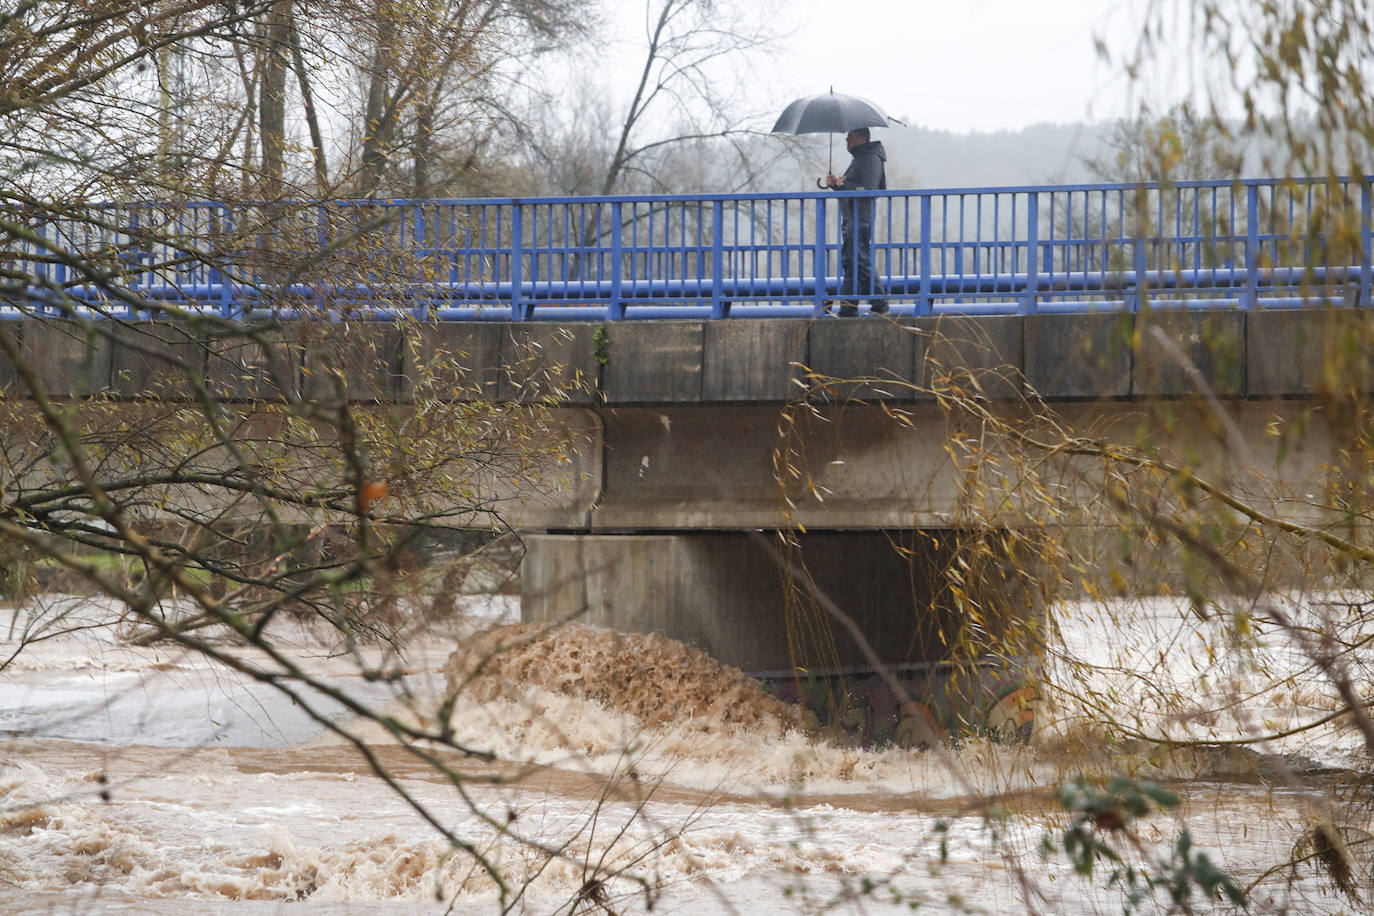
848	309
878	307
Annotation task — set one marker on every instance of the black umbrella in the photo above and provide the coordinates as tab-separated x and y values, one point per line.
830	113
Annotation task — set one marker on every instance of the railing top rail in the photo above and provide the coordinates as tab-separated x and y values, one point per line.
1235	183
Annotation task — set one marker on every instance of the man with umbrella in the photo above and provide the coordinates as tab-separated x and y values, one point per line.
866	172
836	113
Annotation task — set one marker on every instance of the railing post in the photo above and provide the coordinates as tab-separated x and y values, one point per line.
1139	263
419	233
343	230
517	254
718	307
40	262
617	305
1029	300
925	303
219	228
1251	298
1366	230
820	257
134	257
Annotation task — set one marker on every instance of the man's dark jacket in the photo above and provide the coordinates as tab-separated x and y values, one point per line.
866	172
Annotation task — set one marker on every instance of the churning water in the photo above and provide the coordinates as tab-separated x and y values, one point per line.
146	780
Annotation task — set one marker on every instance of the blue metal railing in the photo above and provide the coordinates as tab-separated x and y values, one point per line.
1208	244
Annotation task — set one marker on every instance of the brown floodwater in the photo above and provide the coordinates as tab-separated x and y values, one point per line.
626	773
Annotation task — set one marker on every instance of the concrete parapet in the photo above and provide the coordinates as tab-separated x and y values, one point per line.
1152	355
653	362
1307	352
1185	353
540	361
71	360
753	360
1078	356
881	352
987	350
460	361
256	367
13	333
363	358
156	359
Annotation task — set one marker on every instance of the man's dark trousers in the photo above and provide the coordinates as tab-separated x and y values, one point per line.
856	267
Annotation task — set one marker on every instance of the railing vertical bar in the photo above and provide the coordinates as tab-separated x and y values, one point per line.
819	258
924	305
1081	247
1251	299
1140	300
717	258
41	260
785	255
1185	234
887	244
616	311
1159	246
736	265
1305	252
453	246
1366	236
1010	260
959	250
1049	249
215	275
1104	257
768	233
904	262
977	232
944	237
483	253
1030	302
602	268
422	236
1197	230
632	262
517	254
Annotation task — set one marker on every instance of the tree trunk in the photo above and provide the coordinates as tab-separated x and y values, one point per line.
312	119
423	178
377	126
272	104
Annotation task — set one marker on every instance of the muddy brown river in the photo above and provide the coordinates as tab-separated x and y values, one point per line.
143	780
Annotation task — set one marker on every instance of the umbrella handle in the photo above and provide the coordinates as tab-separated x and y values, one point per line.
820	183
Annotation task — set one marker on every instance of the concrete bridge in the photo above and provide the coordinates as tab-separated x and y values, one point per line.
669	518
1203	320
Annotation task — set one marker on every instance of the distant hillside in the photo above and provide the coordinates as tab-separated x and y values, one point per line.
1041	154
919	157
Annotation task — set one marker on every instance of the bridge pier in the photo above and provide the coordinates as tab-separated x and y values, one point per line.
789	610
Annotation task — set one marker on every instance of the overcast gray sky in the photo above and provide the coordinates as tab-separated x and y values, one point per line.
961	64
958	65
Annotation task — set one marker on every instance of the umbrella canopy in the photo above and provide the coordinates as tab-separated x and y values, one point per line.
829	113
